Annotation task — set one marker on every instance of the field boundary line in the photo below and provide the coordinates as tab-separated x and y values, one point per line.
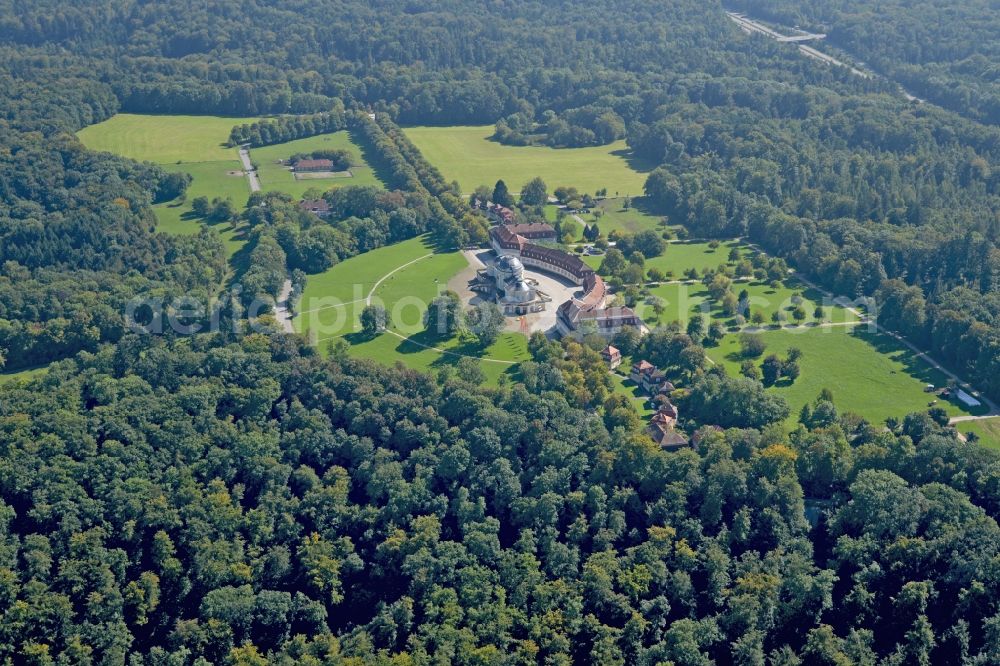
368	298
337	305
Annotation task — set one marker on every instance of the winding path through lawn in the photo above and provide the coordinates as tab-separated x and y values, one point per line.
404	338
368	301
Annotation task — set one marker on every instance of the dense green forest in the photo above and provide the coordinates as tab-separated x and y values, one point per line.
236	499
77	243
204	502
943	51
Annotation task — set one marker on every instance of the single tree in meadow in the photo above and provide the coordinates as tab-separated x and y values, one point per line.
696	328
751	345
373	320
771	370
749	369
443	318
485	321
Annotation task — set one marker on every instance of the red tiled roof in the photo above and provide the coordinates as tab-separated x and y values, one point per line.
589	307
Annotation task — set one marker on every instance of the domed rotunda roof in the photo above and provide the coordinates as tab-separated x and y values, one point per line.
509	264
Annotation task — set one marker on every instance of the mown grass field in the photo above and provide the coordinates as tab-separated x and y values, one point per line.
164	139
870	374
275	176
681	301
987	429
349	282
332	303
466	154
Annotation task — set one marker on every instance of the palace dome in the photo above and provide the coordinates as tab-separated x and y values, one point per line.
510	265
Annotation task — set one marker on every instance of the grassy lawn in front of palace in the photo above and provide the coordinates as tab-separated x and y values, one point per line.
348	283
405	293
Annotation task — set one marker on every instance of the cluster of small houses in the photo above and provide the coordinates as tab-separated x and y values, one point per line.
662	427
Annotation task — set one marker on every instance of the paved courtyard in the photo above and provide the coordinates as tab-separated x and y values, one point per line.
557	288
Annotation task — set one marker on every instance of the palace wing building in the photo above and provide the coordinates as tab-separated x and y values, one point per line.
504	280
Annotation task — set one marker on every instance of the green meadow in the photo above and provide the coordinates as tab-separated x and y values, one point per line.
196	145
349	282
466	154
988	431
681	301
615	217
209	179
23	375
164	139
869	373
681	256
276	176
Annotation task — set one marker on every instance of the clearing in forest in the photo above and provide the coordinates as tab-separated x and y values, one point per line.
208	179
275	175
189	144
468	155
164	139
196	145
